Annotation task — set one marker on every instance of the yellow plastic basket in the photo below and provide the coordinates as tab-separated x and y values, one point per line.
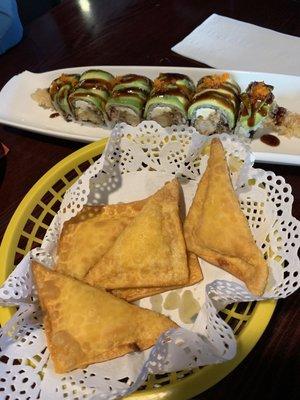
26	231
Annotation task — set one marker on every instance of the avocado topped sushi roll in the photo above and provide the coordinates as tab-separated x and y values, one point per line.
59	91
215	105
169	99
260	110
88	100
256	105
128	98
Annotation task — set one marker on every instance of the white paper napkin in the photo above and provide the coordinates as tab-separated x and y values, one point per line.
226	43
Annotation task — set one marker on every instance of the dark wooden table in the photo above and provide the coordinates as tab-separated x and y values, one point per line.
132	32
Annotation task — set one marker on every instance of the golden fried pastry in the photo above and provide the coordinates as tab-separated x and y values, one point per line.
217	230
86	237
86	325
150	251
195	276
96	228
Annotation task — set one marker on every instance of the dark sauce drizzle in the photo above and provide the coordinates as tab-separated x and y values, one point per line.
54	115
270	140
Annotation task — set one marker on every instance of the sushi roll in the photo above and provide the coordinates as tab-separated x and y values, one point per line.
59	91
128	98
169	99
215	105
88	100
257	104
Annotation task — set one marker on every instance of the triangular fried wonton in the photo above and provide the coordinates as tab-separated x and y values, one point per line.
86	325
150	251
217	230
195	276
86	237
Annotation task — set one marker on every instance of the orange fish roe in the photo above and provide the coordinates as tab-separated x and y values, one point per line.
158	84
212	81
68	79
259	91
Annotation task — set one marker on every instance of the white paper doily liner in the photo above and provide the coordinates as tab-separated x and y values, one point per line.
136	162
